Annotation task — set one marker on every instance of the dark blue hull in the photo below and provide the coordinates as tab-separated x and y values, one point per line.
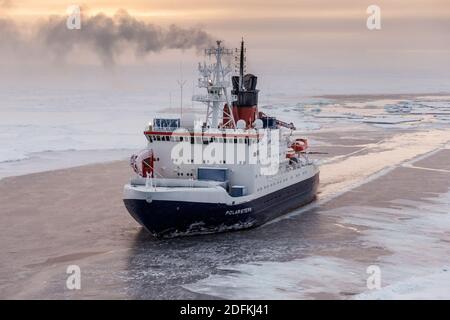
176	218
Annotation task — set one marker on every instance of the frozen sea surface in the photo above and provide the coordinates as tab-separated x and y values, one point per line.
71	121
411	235
37	121
383	201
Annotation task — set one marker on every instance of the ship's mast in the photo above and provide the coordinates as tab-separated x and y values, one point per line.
214	78
241	67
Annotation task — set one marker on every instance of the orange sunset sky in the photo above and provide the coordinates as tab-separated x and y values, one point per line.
203	9
286	38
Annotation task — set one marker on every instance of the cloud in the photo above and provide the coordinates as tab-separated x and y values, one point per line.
107	37
5	3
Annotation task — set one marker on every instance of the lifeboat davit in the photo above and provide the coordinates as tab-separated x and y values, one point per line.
142	163
290	153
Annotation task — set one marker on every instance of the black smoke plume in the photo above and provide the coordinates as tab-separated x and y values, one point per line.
108	37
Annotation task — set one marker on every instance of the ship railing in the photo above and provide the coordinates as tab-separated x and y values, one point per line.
203	83
166	129
208	98
177	183
295	166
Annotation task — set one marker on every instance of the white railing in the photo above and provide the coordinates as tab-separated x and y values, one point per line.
208	98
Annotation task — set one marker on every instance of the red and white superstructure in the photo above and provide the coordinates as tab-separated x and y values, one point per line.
237	168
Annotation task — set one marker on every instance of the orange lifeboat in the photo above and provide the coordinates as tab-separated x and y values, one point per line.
300	145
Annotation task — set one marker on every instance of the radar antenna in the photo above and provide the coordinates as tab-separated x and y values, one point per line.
215	78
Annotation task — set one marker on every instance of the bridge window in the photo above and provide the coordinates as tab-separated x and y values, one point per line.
166	124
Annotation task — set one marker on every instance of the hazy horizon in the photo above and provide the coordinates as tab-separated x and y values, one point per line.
296	47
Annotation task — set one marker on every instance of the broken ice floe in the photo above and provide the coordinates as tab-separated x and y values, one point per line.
416	268
401	107
391	120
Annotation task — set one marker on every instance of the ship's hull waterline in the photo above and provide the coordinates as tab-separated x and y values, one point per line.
166	219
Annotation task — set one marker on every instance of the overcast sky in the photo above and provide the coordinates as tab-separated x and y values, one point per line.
319	41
